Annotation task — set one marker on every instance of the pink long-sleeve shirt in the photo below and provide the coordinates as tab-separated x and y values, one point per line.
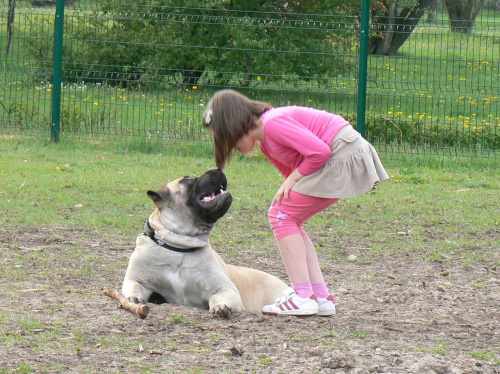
299	137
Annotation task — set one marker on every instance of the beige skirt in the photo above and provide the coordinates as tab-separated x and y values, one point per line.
353	169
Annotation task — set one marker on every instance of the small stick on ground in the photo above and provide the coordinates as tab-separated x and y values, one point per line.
140	310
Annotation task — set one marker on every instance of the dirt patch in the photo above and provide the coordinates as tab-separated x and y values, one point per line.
396	314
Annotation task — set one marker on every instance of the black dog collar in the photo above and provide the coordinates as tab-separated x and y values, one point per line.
148	231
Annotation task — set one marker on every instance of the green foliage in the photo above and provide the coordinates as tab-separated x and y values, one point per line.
38	43
214	42
175	319
483	355
18	113
359	334
381	129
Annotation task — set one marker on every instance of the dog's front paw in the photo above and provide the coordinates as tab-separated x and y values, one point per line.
137	300
221	310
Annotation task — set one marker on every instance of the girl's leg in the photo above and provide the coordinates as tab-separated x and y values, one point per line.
318	286
299	301
297	250
294	254
304	280
314	270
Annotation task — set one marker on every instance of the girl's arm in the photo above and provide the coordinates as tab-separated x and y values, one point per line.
287	185
289	133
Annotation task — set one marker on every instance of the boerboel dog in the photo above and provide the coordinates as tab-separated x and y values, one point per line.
174	258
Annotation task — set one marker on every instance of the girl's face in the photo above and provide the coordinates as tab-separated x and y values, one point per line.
246	144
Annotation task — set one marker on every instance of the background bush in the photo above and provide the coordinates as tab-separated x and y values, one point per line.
380	129
158	41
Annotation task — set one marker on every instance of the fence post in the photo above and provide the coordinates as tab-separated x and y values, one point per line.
56	79
363	65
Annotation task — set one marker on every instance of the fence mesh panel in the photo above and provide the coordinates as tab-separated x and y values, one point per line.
146	69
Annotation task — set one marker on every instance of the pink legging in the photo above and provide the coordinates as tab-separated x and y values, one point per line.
288	217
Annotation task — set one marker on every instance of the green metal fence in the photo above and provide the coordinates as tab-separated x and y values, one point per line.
425	80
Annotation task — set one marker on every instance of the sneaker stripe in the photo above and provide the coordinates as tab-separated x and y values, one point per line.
287	305
293	305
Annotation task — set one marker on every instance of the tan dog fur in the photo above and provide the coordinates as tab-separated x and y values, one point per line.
200	278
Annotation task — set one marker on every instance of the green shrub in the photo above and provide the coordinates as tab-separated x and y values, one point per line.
383	130
153	42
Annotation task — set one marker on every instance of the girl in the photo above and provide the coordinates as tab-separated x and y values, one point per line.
322	159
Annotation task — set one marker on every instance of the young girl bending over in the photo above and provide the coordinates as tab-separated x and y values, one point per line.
322	159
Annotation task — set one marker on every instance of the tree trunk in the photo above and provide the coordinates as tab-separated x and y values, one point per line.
388	33
394	29
463	14
431	17
10	24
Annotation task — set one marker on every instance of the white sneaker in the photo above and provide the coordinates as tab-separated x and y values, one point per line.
290	304
326	306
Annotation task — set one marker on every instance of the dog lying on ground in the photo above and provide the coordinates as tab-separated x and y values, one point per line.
175	260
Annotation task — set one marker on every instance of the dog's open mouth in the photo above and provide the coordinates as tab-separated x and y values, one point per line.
207	198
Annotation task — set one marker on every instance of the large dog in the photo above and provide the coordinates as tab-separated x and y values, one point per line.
174	259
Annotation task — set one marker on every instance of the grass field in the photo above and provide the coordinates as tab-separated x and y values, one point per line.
422	294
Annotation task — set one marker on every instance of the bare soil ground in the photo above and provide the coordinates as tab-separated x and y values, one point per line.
396	314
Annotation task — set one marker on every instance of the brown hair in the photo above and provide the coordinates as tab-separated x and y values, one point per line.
229	116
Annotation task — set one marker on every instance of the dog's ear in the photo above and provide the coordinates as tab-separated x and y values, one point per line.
159	196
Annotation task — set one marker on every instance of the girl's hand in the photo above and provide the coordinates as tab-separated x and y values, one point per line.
287	185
